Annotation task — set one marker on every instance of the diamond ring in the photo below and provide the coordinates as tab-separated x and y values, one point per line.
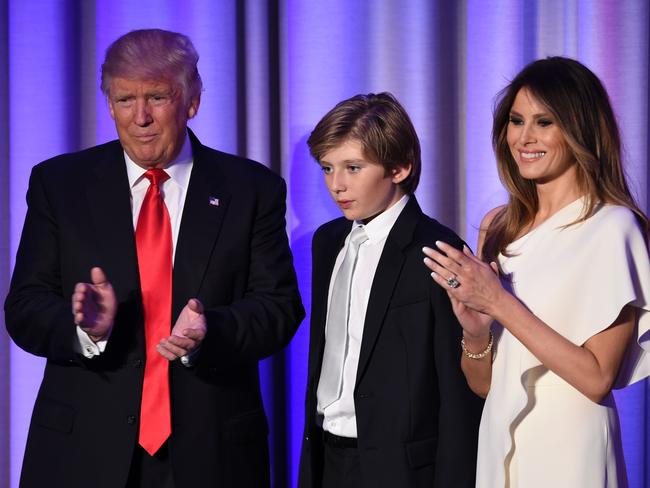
453	282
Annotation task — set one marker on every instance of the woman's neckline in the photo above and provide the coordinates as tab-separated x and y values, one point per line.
554	216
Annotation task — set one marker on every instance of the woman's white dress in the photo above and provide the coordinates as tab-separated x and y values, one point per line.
536	429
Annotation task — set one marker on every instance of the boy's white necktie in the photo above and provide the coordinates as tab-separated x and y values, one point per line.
336	336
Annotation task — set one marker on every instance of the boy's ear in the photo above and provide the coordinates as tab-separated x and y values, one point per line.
400	173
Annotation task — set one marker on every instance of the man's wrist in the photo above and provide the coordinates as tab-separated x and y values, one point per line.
96	339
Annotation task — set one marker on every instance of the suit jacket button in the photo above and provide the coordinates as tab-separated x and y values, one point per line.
130	419
137	363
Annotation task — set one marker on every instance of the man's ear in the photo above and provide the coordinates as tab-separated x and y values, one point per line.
193	108
400	173
110	108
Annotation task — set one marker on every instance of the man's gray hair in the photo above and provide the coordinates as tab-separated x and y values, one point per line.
154	55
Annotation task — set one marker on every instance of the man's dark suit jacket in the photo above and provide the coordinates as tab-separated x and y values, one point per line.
233	256
417	420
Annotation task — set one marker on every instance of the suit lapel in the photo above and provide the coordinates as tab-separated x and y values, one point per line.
206	203
386	277
324	259
108	196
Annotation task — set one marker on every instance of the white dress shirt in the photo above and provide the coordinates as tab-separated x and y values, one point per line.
174	191
339	417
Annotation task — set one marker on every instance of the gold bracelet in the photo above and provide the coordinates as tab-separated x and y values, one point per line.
479	355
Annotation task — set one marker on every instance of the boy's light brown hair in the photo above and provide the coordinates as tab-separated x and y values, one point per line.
382	127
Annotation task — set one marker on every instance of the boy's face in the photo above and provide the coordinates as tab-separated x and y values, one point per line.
360	188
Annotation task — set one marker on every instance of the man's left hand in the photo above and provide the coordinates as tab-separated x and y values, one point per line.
187	334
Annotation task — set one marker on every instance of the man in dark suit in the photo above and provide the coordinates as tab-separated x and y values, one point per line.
152	379
387	403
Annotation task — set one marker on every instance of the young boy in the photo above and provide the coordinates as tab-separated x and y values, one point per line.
387	404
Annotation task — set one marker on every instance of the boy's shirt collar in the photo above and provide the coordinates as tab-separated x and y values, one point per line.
379	227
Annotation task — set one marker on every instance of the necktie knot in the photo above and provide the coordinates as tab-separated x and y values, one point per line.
156	176
358	236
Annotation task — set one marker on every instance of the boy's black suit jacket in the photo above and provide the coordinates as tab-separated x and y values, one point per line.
232	254
417	420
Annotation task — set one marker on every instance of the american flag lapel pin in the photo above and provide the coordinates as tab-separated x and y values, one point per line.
214	201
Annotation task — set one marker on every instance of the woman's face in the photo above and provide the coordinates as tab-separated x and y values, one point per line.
536	142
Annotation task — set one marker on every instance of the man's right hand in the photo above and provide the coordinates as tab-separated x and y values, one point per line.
94	305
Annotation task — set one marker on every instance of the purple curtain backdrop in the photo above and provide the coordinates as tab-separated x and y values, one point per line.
271	69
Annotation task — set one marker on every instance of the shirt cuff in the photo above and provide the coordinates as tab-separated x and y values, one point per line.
85	346
189	359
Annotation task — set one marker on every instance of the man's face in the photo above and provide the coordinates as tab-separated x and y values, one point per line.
150	118
361	188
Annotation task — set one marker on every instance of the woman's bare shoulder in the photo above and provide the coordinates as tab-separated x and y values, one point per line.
485	224
489	217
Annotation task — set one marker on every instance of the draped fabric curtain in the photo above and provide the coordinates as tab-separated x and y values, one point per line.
271	69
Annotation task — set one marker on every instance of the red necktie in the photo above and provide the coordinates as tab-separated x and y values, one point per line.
153	238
